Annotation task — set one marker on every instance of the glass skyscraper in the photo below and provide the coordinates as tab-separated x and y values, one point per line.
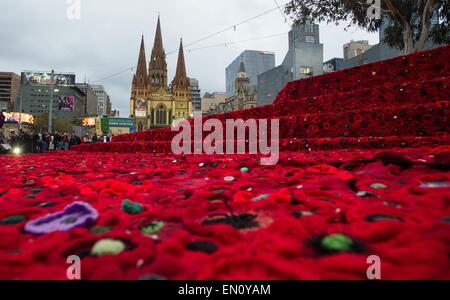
256	62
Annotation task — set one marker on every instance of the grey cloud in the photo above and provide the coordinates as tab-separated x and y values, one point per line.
36	34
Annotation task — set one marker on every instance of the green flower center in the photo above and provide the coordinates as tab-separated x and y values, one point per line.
337	242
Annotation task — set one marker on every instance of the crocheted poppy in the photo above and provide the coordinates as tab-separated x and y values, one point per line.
75	215
362	170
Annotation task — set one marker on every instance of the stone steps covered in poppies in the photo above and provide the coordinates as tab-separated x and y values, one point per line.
391	94
295	144
419	66
391	102
410	121
380	96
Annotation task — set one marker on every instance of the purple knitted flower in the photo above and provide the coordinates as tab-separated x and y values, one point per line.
78	214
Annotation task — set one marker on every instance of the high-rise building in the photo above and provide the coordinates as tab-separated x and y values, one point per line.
355	48
9	90
36	91
91	99
304	33
304	59
108	106
102	99
152	103
256	62
194	93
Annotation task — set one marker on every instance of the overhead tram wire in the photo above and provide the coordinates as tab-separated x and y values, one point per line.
282	13
114	75
233	27
202	39
225	44
199	48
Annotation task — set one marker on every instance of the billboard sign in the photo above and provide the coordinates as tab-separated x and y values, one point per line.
44	78
89	122
14	117
121	122
66	103
141	108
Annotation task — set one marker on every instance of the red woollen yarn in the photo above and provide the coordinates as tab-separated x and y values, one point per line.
363	170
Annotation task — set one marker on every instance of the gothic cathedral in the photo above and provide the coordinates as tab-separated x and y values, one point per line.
153	104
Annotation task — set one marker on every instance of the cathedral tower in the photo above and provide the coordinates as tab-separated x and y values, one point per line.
242	80
158	65
180	87
152	104
139	85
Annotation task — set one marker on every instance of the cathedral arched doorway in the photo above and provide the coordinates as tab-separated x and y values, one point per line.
140	127
161	115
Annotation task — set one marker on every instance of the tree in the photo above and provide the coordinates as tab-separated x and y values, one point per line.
63	124
41	122
409	20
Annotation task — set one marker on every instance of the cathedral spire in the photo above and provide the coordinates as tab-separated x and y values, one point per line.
158	64
140	78
158	61
181	81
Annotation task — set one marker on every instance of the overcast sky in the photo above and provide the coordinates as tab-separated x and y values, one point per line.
38	35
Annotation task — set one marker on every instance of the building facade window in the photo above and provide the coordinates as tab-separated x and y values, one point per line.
310	39
306	71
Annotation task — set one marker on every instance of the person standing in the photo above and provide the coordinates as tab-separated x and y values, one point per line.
65	142
2	119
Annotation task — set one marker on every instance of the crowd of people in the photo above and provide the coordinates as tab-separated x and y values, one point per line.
25	142
57	141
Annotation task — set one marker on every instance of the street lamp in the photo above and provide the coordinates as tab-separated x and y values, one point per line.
20	108
50	109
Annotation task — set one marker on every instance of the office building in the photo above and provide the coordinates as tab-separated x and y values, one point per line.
91	99
102	99
68	100
9	90
194	93
355	48
304	59
108	106
256	62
